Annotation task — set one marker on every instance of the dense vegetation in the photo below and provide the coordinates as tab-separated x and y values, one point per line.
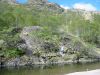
55	26
14	18
87	30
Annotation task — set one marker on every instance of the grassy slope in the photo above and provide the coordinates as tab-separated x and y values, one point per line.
55	26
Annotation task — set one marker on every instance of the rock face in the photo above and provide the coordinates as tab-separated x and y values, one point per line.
23	61
44	4
36	1
32	45
31	42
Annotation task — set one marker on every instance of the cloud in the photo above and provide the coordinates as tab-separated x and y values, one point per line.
65	7
83	6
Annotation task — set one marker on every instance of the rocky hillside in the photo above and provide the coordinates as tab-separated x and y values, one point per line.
38	4
40	32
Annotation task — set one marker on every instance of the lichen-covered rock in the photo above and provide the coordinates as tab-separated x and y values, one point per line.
1	42
31	42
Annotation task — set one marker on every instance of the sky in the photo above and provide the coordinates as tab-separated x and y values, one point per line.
21	1
89	5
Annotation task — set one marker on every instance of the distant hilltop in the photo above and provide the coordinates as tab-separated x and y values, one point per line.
29	1
37	1
39	4
44	3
